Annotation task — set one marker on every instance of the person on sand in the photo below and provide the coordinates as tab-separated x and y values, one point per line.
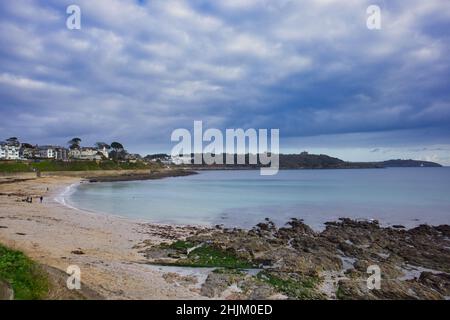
41	198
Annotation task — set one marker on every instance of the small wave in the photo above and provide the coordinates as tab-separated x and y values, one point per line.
62	197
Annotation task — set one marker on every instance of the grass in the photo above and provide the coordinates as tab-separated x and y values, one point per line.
207	256
48	165
14	167
27	279
302	288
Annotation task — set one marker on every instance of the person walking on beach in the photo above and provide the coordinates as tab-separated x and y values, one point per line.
41	199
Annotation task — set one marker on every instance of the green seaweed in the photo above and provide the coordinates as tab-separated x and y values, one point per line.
301	288
181	245
206	256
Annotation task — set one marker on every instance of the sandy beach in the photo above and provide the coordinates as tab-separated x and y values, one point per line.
110	262
121	258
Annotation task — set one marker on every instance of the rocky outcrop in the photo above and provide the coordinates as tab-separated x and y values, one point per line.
296	261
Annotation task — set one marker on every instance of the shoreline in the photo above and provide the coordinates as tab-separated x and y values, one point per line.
54	235
405	225
117	254
142	176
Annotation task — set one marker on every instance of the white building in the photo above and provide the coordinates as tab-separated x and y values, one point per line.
61	153
86	153
90	154
46	152
27	152
104	152
9	152
184	159
75	153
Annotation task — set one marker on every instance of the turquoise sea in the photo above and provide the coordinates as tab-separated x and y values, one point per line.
407	196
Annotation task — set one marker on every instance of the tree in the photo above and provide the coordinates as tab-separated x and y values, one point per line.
27	146
14	141
101	145
74	143
118	151
117	146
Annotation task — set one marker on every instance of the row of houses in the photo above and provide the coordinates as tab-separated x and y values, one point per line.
14	151
9	152
168	160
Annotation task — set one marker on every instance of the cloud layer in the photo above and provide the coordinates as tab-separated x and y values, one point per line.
139	69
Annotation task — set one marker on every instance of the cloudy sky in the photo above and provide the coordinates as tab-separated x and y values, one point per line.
139	69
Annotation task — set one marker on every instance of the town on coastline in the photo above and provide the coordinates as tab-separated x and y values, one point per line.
12	150
285	262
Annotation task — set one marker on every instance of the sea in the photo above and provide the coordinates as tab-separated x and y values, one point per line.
243	198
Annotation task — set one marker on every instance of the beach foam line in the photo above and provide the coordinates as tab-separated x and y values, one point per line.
61	197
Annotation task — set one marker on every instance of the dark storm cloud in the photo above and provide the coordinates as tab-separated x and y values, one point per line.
138	69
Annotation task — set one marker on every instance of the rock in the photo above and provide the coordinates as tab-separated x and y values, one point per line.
295	251
172	277
439	282
79	252
215	284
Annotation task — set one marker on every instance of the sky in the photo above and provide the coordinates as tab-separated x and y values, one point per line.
137	70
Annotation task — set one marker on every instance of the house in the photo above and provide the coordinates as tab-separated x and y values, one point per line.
88	153
9	151
61	153
182	159
132	158
46	152
159	158
27	151
2	150
104	152
51	152
75	153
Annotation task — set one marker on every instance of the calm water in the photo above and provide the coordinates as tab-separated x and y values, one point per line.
407	196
